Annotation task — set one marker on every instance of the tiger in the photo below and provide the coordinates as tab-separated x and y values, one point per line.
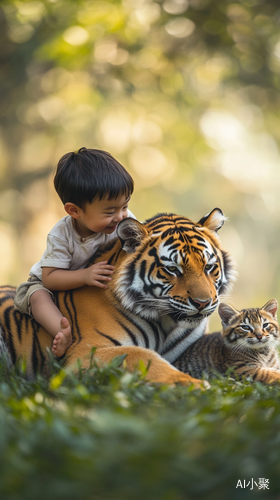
247	345
168	275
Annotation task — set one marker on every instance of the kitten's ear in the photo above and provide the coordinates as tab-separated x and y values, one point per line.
226	312
271	306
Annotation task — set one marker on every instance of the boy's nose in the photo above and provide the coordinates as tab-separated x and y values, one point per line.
117	217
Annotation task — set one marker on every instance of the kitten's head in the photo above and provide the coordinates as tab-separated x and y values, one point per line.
250	328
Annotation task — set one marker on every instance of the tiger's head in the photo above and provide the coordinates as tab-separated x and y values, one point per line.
173	267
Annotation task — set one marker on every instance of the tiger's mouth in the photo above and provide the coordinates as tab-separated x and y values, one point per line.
180	316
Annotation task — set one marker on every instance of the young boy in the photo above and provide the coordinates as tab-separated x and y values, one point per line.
95	190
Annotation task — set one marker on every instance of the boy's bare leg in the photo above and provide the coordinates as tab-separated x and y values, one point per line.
48	315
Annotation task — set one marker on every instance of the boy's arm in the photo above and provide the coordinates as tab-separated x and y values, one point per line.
56	279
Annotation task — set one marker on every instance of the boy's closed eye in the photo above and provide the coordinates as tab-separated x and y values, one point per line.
112	213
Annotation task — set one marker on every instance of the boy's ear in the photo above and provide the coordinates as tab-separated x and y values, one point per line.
72	210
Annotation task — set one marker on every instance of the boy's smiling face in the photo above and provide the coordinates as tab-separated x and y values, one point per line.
100	216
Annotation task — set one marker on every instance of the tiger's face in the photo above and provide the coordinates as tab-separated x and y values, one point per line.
174	267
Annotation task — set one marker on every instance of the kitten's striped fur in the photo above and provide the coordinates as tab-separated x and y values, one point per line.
248	343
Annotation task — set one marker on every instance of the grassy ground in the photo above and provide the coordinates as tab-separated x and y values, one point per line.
107	434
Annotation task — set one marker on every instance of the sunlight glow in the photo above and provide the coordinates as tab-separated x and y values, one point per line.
146	132
51	108
180	27
148	162
251	159
175	6
115	130
76	35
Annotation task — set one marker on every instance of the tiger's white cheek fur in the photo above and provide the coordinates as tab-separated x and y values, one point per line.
157	290
139	283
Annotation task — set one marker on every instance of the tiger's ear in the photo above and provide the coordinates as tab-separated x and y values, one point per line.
226	312
271	306
214	220
131	232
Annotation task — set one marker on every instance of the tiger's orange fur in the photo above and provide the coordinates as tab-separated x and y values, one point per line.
169	273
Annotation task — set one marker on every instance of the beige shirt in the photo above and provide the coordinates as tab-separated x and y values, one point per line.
66	249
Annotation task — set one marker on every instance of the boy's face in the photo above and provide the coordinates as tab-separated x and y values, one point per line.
101	216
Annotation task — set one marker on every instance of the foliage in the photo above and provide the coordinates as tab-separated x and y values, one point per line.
105	433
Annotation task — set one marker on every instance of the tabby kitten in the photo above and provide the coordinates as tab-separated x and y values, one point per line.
248	343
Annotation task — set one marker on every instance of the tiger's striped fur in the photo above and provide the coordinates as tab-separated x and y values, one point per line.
169	273
248	343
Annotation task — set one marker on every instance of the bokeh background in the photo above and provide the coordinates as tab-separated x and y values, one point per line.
184	93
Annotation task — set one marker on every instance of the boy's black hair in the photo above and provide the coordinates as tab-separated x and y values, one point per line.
87	174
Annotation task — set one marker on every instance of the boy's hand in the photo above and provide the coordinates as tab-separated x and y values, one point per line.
97	273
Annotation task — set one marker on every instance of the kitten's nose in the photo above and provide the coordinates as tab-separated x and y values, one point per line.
259	337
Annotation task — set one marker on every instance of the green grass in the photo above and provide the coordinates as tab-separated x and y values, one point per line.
107	434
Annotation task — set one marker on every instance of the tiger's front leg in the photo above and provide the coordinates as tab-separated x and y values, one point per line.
267	375
159	371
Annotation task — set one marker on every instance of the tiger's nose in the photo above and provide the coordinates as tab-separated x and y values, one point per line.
200	304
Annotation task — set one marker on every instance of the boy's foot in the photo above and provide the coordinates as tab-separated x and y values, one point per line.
63	339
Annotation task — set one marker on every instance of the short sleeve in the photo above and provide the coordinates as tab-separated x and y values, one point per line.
56	254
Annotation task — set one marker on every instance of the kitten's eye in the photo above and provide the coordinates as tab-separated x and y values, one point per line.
245	327
265	325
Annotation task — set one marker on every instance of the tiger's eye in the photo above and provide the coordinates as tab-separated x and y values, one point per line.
173	269
208	267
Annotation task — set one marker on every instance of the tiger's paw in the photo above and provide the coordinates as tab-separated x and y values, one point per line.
197	384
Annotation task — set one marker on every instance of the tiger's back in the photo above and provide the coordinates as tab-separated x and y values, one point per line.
25	338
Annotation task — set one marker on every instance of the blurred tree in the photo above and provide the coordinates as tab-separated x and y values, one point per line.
184	92
187	53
